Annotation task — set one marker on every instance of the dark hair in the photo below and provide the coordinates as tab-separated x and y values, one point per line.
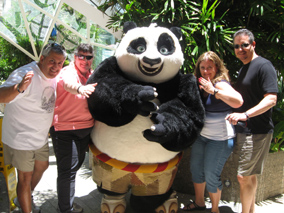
84	47
245	32
222	72
54	47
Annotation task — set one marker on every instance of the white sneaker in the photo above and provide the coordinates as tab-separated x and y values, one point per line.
35	209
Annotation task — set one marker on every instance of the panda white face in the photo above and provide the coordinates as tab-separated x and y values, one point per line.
149	54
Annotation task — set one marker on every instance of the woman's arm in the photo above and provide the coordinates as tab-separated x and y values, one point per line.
222	91
71	85
229	95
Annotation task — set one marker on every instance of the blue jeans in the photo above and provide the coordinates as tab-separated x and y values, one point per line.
208	158
70	148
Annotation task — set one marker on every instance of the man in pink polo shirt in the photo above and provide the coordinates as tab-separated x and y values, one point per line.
72	124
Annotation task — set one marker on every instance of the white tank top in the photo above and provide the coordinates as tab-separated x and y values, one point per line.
216	127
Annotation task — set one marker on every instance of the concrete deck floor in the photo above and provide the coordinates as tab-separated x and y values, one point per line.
89	198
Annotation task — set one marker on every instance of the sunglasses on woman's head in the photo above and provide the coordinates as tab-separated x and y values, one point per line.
82	57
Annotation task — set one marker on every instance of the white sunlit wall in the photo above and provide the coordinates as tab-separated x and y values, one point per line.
67	22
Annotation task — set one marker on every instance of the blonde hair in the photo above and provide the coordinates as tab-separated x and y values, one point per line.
222	72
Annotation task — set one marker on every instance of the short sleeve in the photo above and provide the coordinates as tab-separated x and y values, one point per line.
268	78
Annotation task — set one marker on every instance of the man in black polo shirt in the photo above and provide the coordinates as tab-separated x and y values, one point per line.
257	83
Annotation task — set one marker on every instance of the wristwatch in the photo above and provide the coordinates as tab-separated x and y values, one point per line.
246	115
215	91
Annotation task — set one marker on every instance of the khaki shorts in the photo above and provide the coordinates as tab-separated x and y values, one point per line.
24	160
251	151
141	184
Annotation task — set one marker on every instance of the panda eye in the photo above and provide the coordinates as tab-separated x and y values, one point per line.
164	50
137	46
166	44
141	48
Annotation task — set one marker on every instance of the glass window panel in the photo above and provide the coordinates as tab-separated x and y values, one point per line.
110	11
100	54
47	5
99	35
13	20
68	39
74	19
77	21
13	26
38	22
5	30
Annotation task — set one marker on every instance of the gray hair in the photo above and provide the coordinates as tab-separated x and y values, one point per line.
245	32
54	47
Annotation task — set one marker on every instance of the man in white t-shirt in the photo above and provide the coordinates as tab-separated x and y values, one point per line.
29	94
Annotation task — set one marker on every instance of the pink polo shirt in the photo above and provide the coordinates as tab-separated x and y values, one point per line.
71	111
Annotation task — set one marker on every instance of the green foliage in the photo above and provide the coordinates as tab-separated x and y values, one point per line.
11	58
278	120
201	28
265	19
206	32
278	112
278	138
209	25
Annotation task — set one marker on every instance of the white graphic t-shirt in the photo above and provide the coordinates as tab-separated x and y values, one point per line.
28	117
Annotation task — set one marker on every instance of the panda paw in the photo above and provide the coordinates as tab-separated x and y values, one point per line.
158	131
137	99
145	96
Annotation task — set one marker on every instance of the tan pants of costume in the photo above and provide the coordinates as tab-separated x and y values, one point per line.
141	184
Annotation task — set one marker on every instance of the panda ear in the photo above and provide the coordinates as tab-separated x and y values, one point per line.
176	31
129	25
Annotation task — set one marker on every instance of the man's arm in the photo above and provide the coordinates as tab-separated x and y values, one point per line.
265	104
7	94
269	100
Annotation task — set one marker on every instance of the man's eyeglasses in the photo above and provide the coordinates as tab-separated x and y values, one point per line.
244	45
82	57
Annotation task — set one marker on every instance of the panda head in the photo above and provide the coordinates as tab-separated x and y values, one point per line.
150	54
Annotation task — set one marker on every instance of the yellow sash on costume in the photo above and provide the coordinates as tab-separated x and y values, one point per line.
131	167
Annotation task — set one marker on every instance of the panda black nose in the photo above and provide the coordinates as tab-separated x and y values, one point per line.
151	61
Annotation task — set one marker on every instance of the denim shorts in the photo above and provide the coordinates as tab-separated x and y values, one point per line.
208	158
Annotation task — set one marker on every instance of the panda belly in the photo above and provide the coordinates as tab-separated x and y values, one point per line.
126	143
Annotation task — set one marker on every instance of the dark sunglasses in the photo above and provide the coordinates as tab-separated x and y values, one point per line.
82	57
244	45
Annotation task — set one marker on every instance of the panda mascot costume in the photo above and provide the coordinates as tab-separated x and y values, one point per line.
146	112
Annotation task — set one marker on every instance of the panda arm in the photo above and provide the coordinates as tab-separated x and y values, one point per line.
179	120
117	100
